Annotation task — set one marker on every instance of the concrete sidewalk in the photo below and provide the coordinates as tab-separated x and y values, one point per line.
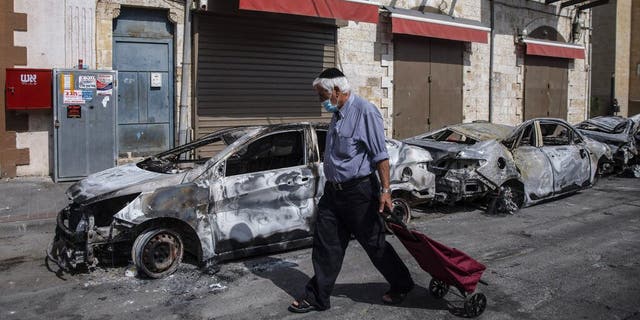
31	199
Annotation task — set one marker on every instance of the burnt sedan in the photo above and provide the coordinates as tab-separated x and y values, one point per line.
235	192
622	135
512	167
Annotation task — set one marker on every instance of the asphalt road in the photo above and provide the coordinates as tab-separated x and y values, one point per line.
573	258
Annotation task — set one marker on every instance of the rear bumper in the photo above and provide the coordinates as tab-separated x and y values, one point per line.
459	187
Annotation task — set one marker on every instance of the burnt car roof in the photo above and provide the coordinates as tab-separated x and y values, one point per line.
480	131
268	127
610	124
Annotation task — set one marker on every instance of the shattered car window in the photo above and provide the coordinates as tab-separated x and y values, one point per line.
525	135
554	134
192	154
280	150
322	139
450	136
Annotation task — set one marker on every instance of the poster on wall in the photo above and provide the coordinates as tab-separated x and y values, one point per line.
104	85
73	97
87	82
74	112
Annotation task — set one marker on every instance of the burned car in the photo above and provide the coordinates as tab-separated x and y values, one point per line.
235	192
622	135
512	167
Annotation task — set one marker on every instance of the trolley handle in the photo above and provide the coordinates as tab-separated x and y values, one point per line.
390	217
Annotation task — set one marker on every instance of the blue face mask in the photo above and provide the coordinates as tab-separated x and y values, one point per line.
329	106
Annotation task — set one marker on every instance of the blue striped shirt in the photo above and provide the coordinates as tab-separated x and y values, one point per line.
355	141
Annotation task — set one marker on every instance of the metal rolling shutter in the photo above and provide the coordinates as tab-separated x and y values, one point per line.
253	71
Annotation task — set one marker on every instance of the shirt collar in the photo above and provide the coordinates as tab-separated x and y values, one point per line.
345	108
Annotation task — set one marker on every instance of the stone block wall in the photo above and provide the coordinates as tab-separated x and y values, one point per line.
366	55
363	55
634	68
11	20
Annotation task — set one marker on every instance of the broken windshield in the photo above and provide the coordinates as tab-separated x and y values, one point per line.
195	153
449	135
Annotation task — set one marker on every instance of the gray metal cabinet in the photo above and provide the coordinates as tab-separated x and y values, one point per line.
85	111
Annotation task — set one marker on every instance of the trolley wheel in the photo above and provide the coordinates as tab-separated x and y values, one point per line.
438	288
475	304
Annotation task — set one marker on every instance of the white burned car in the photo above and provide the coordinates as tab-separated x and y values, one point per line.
622	135
512	167
235	192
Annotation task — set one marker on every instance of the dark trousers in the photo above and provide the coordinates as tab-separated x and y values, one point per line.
341	213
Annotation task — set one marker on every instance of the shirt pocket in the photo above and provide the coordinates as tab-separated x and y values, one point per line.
346	147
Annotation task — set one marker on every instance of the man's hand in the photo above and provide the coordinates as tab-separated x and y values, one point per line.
385	197
385	201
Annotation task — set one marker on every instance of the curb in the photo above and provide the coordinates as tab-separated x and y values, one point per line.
21	227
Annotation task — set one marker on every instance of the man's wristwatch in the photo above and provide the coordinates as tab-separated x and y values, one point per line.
385	190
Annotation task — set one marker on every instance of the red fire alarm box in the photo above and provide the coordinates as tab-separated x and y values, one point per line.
27	89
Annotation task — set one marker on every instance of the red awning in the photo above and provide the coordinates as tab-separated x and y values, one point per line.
443	28
356	10
554	49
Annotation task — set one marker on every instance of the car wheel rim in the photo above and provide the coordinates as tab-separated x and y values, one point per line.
160	252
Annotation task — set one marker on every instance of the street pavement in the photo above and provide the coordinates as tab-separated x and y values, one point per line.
572	258
31	198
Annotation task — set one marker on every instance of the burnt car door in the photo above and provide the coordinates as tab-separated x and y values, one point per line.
534	166
267	192
569	160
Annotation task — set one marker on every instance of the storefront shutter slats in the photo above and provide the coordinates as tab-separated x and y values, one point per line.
256	71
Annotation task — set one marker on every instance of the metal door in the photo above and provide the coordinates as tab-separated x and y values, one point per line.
533	164
558	86
445	104
570	162
267	200
411	86
546	81
84	122
427	85
143	55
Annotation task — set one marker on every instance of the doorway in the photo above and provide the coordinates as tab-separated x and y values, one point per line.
427	84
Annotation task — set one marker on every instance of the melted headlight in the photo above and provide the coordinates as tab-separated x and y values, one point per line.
458	164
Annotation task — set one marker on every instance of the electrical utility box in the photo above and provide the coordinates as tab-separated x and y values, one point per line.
84	122
28	89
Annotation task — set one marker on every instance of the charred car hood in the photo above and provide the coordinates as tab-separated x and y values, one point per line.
608	138
608	124
118	181
477	131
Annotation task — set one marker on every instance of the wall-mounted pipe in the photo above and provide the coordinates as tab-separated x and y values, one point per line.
491	46
183	126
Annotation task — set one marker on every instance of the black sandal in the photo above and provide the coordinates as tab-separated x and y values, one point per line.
301	306
394	297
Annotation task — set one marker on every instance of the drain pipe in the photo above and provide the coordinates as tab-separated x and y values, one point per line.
491	45
186	75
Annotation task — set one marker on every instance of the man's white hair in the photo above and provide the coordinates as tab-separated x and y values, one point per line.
328	84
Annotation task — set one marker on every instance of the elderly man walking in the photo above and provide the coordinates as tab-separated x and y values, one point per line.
353	197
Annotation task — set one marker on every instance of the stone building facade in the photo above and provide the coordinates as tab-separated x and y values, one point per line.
616	58
489	81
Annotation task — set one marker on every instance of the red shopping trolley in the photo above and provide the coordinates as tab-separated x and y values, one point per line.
447	266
